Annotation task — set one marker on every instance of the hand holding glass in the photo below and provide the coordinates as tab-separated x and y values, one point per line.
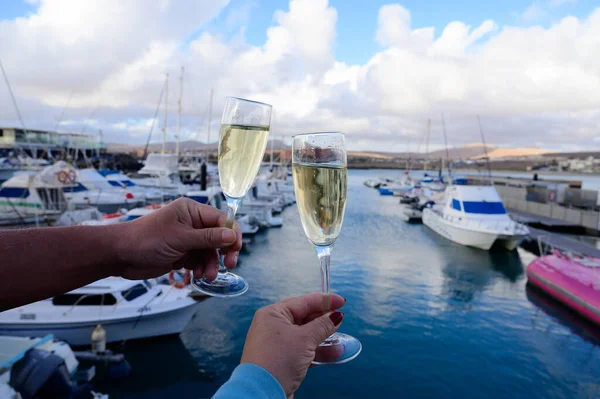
242	142
320	182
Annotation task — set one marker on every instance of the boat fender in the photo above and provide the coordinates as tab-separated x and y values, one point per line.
180	284
99	339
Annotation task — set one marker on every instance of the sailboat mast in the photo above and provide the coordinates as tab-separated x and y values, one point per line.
14	101
179	114
485	149
427	146
271	161
210	105
164	129
446	144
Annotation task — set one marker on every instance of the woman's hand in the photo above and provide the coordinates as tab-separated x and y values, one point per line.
184	234
284	336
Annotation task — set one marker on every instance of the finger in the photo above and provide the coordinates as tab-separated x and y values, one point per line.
231	260
211	266
202	214
322	327
302	306
219	237
237	246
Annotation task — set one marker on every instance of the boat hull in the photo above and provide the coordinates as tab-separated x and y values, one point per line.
79	333
582	298
469	238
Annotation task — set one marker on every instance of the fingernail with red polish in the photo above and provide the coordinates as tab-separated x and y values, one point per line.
345	300
336	317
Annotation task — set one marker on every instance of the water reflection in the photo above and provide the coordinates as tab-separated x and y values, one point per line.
563	315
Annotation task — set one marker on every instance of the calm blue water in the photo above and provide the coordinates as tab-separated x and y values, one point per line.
435	319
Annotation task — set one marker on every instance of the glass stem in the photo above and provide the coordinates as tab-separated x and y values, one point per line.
324	254
232	206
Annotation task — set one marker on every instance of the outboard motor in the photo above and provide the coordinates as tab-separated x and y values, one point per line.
42	374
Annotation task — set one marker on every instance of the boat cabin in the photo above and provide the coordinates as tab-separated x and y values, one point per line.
474	202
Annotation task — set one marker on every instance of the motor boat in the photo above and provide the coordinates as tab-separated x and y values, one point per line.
570	279
92	189
31	197
42	367
162	173
474	216
126	309
117	179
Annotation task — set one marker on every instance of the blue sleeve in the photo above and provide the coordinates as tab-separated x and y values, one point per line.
250	381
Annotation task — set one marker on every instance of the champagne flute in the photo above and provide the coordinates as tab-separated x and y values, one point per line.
320	182
242	142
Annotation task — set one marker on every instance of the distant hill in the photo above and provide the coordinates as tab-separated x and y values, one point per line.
185	146
465	152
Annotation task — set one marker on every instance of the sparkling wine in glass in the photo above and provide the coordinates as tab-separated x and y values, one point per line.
242	142
320	181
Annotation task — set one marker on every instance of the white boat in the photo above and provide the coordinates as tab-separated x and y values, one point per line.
29	197
163	173
126	309
93	190
119	180
474	216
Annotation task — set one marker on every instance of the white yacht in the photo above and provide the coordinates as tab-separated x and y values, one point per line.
126	309
163	173
474	216
119	180
92	189
29	197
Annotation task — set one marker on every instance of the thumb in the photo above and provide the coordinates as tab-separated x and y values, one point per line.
322	327
217	237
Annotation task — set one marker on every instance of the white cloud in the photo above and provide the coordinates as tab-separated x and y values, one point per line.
533	13
529	84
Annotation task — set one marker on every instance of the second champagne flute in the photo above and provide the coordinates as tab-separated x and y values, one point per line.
320	181
242	142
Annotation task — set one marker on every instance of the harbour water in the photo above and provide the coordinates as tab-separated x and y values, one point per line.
435	319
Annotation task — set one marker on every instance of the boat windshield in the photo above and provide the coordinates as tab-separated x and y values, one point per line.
484	208
84	300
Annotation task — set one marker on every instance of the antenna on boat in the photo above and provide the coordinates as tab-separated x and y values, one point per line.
164	129
210	106
162	90
485	149
14	101
179	114
427	146
446	144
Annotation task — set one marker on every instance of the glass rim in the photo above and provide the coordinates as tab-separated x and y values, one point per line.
248	101
318	134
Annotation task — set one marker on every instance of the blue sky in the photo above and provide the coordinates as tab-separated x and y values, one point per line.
357	19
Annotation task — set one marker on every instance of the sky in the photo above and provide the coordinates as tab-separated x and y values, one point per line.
376	70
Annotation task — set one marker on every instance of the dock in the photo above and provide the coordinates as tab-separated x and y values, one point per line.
548	223
549	240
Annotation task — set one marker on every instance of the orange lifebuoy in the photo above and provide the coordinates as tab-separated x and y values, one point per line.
62	176
180	284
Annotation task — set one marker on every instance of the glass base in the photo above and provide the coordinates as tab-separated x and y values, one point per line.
225	285
337	349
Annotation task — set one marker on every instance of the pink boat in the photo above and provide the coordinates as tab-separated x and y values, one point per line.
572	280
